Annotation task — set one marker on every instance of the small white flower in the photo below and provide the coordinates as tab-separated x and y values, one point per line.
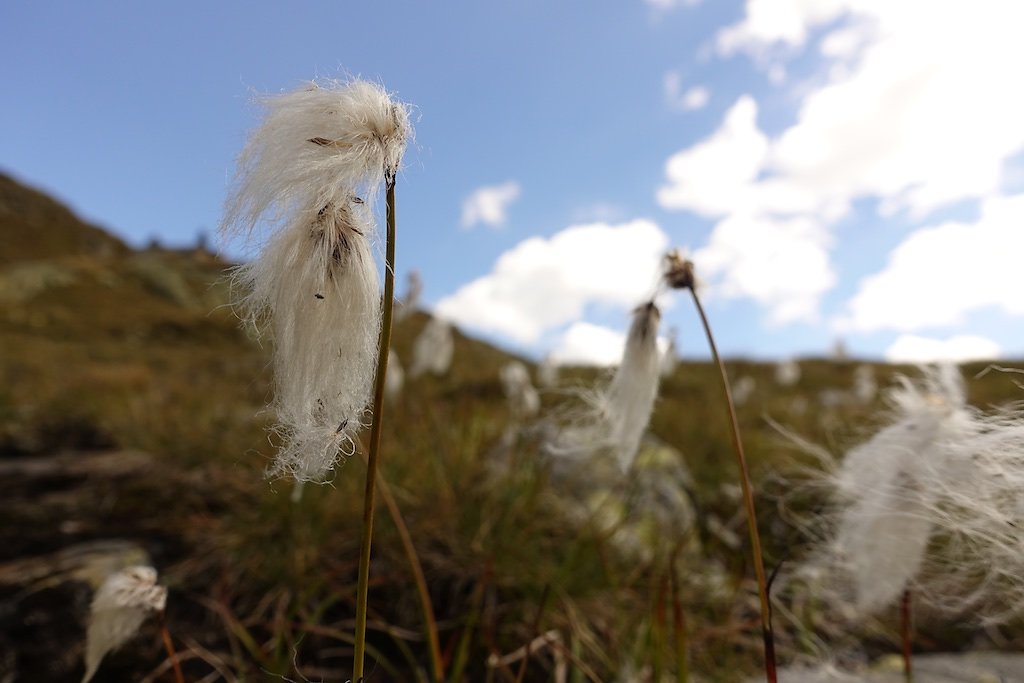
120	605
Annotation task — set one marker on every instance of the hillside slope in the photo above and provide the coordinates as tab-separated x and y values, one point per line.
133	428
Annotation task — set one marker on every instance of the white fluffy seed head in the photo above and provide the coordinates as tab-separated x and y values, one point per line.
523	400
119	607
434	349
317	146
618	414
865	388
889	489
309	173
629	400
547	372
787	372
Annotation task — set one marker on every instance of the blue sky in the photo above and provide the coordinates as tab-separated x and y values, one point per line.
838	169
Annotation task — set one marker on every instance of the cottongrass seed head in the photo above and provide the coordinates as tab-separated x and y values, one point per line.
890	491
523	400
120	605
433	349
617	414
308	175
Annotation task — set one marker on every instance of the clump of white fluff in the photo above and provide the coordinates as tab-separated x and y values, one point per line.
618	414
547	372
787	372
523	400
120	605
433	349
309	174
890	489
865	388
743	389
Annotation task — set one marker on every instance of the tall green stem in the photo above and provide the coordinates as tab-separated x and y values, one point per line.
375	433
748	501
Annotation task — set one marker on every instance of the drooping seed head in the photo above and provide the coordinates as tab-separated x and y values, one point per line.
309	173
120	605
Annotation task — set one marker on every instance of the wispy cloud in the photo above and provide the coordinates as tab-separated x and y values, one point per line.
693	98
939	274
489	205
544	283
667	5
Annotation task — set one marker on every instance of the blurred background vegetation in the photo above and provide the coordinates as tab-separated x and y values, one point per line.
133	429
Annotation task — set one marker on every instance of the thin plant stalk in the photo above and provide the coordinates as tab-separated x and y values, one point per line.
748	501
430	625
362	588
906	635
179	677
679	630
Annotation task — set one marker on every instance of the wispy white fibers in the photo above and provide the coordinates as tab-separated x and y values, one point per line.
120	605
618	413
889	489
981	566
308	176
433	349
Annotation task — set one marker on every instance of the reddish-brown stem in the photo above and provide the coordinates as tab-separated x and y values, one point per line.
748	501
179	677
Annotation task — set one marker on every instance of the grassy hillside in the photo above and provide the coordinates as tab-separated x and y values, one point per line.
132	425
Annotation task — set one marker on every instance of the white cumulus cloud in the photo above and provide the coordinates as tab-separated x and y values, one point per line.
544	283
489	205
782	264
939	274
707	177
915	107
769	22
909	348
584	343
